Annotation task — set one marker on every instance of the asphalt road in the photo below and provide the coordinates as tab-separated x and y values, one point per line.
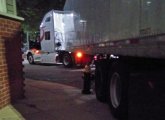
54	73
146	91
67	78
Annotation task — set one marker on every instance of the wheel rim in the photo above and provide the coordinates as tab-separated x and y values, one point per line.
30	59
115	90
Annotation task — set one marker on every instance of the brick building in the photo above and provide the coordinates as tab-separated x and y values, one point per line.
11	68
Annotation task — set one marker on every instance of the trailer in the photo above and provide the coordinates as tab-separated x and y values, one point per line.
124	36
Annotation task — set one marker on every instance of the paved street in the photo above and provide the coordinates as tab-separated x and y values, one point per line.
52	101
54	73
54	93
62	87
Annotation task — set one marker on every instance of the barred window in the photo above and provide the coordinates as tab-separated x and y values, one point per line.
8	6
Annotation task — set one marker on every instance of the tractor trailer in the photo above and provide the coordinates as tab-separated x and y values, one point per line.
122	36
58	32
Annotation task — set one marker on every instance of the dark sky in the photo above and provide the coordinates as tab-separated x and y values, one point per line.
41	4
34	10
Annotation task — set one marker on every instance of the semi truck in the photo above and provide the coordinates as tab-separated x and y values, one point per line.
58	31
122	36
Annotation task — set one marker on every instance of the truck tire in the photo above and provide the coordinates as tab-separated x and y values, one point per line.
67	60
101	77
118	90
30	59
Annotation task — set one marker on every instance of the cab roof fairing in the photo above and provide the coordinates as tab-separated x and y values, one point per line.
50	13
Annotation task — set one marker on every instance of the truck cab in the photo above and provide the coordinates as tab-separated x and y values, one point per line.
58	36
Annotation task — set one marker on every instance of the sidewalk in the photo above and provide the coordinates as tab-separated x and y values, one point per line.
10	113
52	101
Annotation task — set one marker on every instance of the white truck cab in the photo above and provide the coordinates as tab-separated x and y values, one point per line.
58	31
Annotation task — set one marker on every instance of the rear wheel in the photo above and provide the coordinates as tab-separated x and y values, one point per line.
115	90
30	59
101	76
67	60
118	90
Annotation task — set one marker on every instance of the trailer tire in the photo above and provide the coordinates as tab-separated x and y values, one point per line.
67	60
101	77
30	59
118	90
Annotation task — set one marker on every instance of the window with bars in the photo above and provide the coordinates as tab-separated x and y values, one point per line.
8	6
11	6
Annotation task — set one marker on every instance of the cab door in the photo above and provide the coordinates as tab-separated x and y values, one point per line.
46	33
47	38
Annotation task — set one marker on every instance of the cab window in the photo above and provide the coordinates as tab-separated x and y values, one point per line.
47	19
47	35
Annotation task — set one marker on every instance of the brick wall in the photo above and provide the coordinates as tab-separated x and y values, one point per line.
11	68
4	83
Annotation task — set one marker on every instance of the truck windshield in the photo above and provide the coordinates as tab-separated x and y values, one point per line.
35	43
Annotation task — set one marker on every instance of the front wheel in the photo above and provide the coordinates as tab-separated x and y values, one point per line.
118	90
67	60
30	59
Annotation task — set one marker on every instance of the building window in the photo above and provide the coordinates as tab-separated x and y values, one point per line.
8	6
47	35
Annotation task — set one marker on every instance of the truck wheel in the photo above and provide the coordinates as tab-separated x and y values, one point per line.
67	60
101	77
118	90
30	59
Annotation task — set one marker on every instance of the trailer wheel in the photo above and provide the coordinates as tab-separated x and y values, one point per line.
67	60
30	59
118	90
101	77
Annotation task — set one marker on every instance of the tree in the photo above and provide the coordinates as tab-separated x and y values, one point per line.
33	11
